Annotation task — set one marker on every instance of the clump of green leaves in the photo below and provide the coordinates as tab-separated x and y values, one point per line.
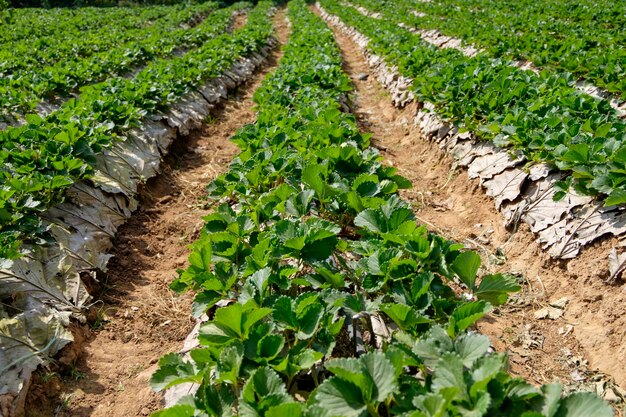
316	241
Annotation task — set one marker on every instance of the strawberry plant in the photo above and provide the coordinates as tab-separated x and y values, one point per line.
541	115
45	156
322	295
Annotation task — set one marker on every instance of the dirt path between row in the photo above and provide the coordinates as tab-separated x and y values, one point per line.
590	334
140	319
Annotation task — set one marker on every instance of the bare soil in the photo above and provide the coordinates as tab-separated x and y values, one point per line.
139	318
586	347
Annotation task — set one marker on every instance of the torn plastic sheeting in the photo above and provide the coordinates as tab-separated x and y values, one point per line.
129	162
91	217
213	93
461	149
83	193
430	124
157	131
617	264
589	223
188	114
46	274
37	329
506	186
541	210
490	164
85	249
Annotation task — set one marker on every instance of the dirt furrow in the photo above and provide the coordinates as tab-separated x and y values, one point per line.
138	318
588	335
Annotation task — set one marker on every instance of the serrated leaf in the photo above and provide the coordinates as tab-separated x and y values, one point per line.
583	404
467	314
466	267
229	363
449	374
470	347
173	370
382	373
337	397
286	410
496	288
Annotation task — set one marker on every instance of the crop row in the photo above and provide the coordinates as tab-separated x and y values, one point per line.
539	115
584	38
24	89
90	36
44	157
51	23
323	295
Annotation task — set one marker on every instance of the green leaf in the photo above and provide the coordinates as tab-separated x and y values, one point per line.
466	266
270	346
311	176
180	410
496	288
432	405
204	301
466	315
471	347
351	370
284	312
263	391
229	363
286	410
617	197
218	400
309	320
404	316
449	374
583	404
382	373
173	371
231	322
551	399
337	397
371	220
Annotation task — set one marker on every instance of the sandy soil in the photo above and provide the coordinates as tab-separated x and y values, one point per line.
140	318
586	347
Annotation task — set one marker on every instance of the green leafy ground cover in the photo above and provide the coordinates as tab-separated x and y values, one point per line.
74	58
311	239
585	37
40	160
540	115
17	24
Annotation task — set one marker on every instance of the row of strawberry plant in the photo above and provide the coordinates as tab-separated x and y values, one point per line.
25	89
590	41
95	32
541	115
76	43
44	157
56	21
310	240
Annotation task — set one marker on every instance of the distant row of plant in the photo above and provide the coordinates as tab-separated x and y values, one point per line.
45	156
93	50
87	3
585	37
310	245
542	115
